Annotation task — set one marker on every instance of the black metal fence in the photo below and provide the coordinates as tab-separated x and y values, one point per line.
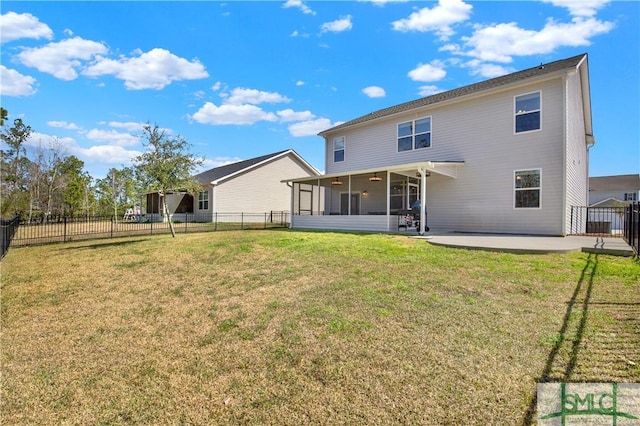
599	221
65	229
7	231
632	227
608	222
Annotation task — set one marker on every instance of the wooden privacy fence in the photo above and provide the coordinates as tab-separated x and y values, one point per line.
67	229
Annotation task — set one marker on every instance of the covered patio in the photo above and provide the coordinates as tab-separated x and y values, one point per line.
379	199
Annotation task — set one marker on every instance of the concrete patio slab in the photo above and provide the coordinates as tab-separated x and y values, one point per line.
530	243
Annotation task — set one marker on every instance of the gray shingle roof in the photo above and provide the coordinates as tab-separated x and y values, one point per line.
615	183
515	77
218	173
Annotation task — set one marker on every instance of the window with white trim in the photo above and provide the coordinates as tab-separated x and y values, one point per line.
527	189
414	134
527	112
203	200
338	149
631	196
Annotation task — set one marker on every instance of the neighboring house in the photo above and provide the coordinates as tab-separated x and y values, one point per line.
607	197
506	155
607	190
249	186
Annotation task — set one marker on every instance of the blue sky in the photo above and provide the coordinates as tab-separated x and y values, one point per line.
241	79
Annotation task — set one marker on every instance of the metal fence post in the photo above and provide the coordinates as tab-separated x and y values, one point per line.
111	233
241	221
64	230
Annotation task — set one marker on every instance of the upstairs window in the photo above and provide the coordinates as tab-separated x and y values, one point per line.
414	134
338	149
527	189
203	200
527	112
631	196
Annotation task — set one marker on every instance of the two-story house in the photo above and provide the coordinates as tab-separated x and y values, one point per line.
505	155
607	191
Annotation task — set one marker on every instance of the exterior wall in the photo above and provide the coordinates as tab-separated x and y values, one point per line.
480	132
349	223
208	212
260	189
597	196
577	158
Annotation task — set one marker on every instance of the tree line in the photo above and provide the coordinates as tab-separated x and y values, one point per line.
43	183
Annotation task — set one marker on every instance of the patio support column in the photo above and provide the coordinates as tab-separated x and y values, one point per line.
292	204
388	200
349	196
423	198
319	191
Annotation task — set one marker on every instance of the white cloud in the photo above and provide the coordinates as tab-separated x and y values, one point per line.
14	26
309	127
217	162
216	86
429	90
15	84
498	43
154	69
96	154
337	26
374	92
241	96
299	83
61	59
287	115
298	3
295	33
584	8
63	125
433	71
246	114
112	137
107	154
487	70
383	2
439	19
129	126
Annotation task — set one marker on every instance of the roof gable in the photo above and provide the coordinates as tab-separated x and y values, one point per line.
516	77
219	173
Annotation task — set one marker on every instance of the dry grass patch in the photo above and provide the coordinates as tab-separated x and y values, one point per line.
284	327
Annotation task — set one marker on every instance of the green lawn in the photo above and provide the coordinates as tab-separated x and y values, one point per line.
288	328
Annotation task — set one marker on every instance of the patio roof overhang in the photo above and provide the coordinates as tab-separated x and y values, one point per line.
445	168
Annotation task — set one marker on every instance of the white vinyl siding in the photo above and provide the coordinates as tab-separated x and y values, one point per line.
577	157
260	189
480	132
